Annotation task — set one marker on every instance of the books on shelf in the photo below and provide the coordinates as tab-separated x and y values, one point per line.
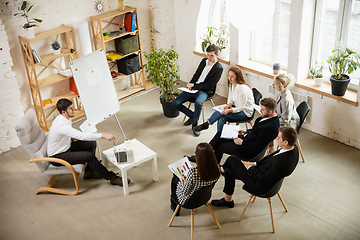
130	22
113	56
36	56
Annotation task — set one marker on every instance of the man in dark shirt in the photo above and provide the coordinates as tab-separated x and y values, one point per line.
204	80
260	176
253	141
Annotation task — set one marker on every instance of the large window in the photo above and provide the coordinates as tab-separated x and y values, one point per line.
270	43
336	22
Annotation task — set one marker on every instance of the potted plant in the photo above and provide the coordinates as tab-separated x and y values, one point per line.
208	38
56	46
163	72
31	23
222	40
343	61
316	73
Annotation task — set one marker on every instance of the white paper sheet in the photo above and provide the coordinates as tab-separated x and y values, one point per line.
230	131
181	167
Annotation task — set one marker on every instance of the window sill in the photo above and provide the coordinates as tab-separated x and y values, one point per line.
261	69
222	60
350	96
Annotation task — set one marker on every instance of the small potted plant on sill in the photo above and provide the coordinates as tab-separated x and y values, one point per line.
208	38
31	23
56	47
222	40
163	72
344	61
316	73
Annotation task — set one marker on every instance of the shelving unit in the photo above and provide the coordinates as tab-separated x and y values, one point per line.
99	24
35	71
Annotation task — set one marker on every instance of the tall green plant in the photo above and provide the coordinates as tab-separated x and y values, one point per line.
343	61
222	37
208	38
317	70
30	22
163	71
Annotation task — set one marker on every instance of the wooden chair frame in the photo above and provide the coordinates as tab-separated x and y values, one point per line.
202	109
48	187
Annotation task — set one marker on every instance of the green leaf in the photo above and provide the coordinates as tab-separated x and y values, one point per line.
23	6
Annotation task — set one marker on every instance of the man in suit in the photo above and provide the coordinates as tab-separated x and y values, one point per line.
260	176
249	143
204	80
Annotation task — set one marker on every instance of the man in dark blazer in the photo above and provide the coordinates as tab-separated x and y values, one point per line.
204	80
253	141
260	176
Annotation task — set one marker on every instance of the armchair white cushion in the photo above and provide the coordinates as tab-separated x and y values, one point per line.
34	141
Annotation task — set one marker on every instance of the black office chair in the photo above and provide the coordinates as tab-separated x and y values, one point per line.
303	109
200	197
269	194
258	157
257	97
207	99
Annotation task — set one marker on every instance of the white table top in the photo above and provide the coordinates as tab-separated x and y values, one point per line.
140	151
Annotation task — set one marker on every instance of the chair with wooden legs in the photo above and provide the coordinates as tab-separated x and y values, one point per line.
200	197
34	141
257	97
269	194
202	108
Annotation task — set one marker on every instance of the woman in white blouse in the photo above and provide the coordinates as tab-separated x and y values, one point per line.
239	104
205	173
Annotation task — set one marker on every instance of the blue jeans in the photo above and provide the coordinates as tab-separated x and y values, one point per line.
199	98
222	119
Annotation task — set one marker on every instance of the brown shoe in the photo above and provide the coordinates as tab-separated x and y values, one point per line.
92	175
116	180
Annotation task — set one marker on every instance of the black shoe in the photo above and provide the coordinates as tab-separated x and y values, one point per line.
222	203
92	175
201	127
196	133
191	158
189	121
116	180
173	208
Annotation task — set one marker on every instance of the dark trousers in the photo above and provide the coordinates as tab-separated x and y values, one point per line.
222	145
84	152
173	198
235	169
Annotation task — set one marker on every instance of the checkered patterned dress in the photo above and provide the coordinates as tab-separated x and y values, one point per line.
191	183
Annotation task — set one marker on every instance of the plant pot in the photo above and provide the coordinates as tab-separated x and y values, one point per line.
318	81
222	54
57	52
338	87
29	32
168	109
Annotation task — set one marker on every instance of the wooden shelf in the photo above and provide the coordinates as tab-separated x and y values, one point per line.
130	91
51	56
111	61
46	34
350	96
114	13
69	95
51	80
225	61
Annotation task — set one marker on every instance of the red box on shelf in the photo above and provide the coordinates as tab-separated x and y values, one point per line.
73	86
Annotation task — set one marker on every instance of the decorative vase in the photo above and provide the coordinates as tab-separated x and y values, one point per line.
276	68
57	52
29	32
121	5
338	87
168	109
318	81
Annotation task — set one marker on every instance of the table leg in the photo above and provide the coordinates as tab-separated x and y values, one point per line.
125	183
155	168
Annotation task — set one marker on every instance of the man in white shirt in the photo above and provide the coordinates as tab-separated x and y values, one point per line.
204	80
76	152
259	177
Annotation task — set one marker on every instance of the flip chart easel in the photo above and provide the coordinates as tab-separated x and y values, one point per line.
96	87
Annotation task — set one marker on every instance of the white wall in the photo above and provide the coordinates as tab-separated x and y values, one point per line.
328	117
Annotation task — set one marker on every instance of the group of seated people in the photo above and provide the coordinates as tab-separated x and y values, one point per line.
278	119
